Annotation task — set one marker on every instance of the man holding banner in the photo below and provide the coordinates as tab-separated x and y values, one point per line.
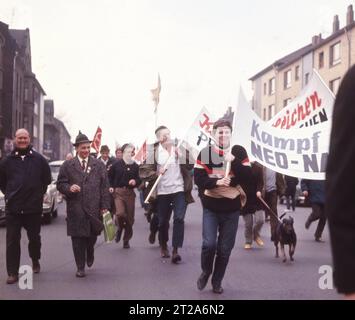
221	201
171	165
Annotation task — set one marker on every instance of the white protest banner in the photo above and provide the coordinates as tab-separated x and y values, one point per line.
199	134
313	106
300	153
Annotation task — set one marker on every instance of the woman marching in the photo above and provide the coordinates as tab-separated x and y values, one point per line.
124	177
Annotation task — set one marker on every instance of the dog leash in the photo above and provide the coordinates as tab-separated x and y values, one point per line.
266	205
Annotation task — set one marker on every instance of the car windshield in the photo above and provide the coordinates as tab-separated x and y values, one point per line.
55	172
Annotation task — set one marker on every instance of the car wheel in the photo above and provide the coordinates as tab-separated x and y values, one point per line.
47	218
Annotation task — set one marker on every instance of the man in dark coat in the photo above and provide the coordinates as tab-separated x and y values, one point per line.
291	184
315	190
83	180
340	187
24	177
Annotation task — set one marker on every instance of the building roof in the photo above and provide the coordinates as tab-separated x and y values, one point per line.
285	61
20	36
298	54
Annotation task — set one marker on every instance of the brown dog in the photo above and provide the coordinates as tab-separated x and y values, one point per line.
285	235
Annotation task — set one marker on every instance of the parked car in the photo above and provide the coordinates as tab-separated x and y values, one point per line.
50	205
55	166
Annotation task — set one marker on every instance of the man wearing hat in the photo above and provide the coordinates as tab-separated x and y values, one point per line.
83	180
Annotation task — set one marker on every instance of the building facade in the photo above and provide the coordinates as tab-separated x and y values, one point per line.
8	48
275	86
22	99
57	140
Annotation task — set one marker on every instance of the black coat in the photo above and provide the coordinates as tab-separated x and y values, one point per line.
291	184
93	197
121	173
340	186
24	181
252	186
316	190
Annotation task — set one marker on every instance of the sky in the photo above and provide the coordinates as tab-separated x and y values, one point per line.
98	59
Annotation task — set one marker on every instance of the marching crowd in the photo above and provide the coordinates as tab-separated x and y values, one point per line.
228	186
93	186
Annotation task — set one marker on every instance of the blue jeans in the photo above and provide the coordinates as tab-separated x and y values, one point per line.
226	224
176	202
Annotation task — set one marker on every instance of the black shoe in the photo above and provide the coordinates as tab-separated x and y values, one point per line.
307	224
202	281
118	235
90	261
148	216
176	258
217	289
126	245
319	239
36	267
152	237
80	273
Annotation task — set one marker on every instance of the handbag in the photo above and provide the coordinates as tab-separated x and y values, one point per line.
227	192
109	227
96	225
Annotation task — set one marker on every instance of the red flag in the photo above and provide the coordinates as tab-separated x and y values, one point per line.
96	143
141	155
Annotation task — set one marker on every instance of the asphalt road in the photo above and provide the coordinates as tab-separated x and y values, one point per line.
139	273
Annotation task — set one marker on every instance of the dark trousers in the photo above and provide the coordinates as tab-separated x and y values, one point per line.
271	200
83	248
293	201
217	249
14	224
154	223
166	203
318	213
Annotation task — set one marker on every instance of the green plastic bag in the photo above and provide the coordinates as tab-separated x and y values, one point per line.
109	227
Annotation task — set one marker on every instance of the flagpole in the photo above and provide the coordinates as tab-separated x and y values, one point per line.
156	117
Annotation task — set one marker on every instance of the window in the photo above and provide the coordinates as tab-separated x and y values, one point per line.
35	131
306	78
287	79
264	114
271	111
321	60
271	86
265	89
297	73
286	102
334	85
335	54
